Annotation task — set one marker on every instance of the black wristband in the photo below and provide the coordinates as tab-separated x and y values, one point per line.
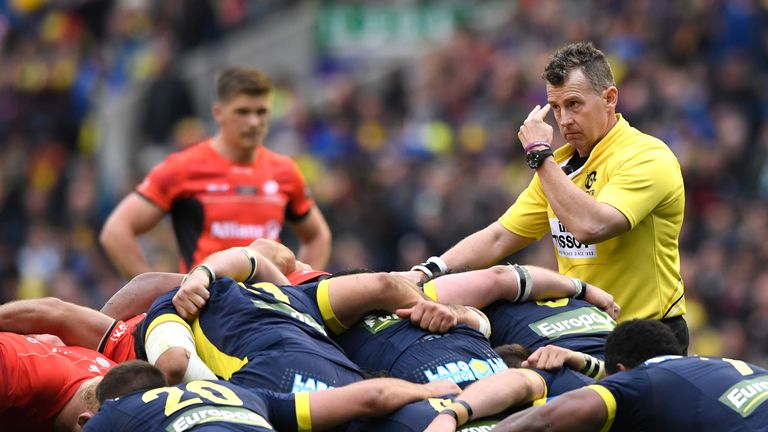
451	413
583	292
207	270
465	404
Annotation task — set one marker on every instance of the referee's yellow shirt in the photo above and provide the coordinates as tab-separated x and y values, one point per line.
640	176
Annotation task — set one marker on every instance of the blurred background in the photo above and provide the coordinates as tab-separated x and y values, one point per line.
401	114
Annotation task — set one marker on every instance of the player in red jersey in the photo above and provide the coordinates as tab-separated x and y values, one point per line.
222	192
45	387
111	330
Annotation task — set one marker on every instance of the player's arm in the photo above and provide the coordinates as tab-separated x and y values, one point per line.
370	398
490	395
244	264
132	217
170	346
516	284
278	254
137	295
578	410
553	357
346	299
314	237
590	221
73	324
481	249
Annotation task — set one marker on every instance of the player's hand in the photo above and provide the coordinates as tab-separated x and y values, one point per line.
534	127
442	387
603	301
553	357
192	296
430	316
442	423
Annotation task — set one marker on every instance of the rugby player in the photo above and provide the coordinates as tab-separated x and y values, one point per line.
45	387
651	386
135	396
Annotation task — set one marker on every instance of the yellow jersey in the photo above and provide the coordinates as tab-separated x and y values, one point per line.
639	176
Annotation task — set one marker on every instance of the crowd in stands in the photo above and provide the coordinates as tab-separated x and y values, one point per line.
404	168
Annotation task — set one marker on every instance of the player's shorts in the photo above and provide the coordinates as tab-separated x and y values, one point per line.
293	372
456	356
118	342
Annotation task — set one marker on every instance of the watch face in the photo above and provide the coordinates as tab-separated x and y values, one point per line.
535	158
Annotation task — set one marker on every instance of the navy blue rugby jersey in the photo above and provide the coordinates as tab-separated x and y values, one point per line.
382	343
262	336
681	394
222	405
568	323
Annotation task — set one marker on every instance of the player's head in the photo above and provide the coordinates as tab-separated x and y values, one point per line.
238	80
129	377
242	109
582	94
513	354
81	407
633	342
584	56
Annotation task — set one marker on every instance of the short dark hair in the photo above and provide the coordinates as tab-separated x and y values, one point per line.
238	80
129	377
635	341
513	354
582	55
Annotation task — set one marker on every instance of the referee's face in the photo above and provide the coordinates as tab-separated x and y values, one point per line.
583	115
243	120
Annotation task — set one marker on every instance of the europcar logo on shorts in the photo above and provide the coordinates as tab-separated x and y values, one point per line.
578	321
462	371
746	396
200	415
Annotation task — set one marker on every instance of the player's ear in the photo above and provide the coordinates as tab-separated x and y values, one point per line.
82	419
621	368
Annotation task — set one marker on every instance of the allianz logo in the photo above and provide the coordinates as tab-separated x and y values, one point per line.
232	229
581	320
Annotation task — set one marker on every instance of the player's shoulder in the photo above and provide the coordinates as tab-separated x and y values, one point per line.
276	161
195	152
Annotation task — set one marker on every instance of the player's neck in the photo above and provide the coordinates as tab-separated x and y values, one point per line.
66	419
232	153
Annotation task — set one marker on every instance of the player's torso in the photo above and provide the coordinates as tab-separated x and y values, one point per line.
382	342
691	394
39	379
265	336
569	323
183	407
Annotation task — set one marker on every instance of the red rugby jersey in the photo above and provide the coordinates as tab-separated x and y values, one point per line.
38	379
216	204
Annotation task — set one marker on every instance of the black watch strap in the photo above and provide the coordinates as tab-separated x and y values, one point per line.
535	158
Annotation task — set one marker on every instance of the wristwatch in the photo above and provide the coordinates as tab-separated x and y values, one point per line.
535	158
